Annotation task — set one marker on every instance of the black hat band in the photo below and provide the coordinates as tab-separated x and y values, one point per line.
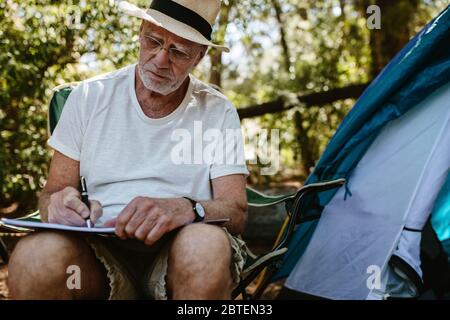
183	14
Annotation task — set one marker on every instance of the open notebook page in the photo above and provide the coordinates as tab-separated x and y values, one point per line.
54	226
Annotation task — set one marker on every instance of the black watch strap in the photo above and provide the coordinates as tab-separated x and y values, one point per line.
198	217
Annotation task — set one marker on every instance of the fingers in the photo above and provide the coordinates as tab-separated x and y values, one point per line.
67	208
136	220
75	203
143	219
123	218
72	200
62	215
58	212
156	233
154	228
73	219
96	211
145	228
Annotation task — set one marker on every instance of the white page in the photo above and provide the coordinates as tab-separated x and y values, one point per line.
54	226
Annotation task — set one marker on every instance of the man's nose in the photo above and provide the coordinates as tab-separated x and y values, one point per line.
161	59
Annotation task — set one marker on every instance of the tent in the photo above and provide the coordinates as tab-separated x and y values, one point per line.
393	148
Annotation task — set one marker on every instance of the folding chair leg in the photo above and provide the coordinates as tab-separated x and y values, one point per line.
4	251
263	285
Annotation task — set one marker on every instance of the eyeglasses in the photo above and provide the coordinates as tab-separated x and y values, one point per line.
176	55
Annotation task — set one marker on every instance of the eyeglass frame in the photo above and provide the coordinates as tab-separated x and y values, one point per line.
170	50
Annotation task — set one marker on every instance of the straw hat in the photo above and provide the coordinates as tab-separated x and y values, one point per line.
189	19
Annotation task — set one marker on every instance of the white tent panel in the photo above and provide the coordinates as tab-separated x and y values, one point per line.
396	182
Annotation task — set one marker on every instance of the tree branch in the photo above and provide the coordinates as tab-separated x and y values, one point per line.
312	99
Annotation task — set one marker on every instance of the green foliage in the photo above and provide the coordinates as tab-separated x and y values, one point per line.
326	50
43	44
329	46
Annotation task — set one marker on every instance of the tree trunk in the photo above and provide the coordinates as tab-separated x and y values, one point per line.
215	56
309	149
284	44
396	29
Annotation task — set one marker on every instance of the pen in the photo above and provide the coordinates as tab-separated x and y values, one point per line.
85	199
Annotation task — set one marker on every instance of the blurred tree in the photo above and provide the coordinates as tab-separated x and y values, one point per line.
397	26
281	26
215	73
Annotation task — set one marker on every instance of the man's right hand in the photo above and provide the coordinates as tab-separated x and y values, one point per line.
66	208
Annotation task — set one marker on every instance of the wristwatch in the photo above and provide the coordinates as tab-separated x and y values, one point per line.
199	211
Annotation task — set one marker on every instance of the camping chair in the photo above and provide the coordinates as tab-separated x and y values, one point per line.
264	265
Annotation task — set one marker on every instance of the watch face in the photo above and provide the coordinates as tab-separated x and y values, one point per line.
200	210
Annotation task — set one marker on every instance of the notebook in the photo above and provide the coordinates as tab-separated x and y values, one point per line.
99	230
54	226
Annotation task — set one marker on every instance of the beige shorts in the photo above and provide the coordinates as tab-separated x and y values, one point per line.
136	271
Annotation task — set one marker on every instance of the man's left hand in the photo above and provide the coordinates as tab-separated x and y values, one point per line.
148	219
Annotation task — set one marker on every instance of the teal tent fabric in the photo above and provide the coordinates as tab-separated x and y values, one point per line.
420	68
440	218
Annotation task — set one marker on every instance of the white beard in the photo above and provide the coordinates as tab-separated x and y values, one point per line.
161	88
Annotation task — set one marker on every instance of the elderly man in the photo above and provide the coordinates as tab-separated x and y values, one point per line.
121	131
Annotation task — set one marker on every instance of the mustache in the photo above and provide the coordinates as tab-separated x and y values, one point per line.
157	71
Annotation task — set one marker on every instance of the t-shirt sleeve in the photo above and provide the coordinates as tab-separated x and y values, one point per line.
68	134
229	156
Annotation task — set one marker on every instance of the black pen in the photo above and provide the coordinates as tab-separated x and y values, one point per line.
85	199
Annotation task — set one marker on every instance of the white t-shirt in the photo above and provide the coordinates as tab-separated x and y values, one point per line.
124	154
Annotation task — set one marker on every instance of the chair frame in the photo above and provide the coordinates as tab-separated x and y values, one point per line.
271	261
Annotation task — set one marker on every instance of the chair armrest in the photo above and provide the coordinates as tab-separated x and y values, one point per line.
258	199
251	272
300	196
